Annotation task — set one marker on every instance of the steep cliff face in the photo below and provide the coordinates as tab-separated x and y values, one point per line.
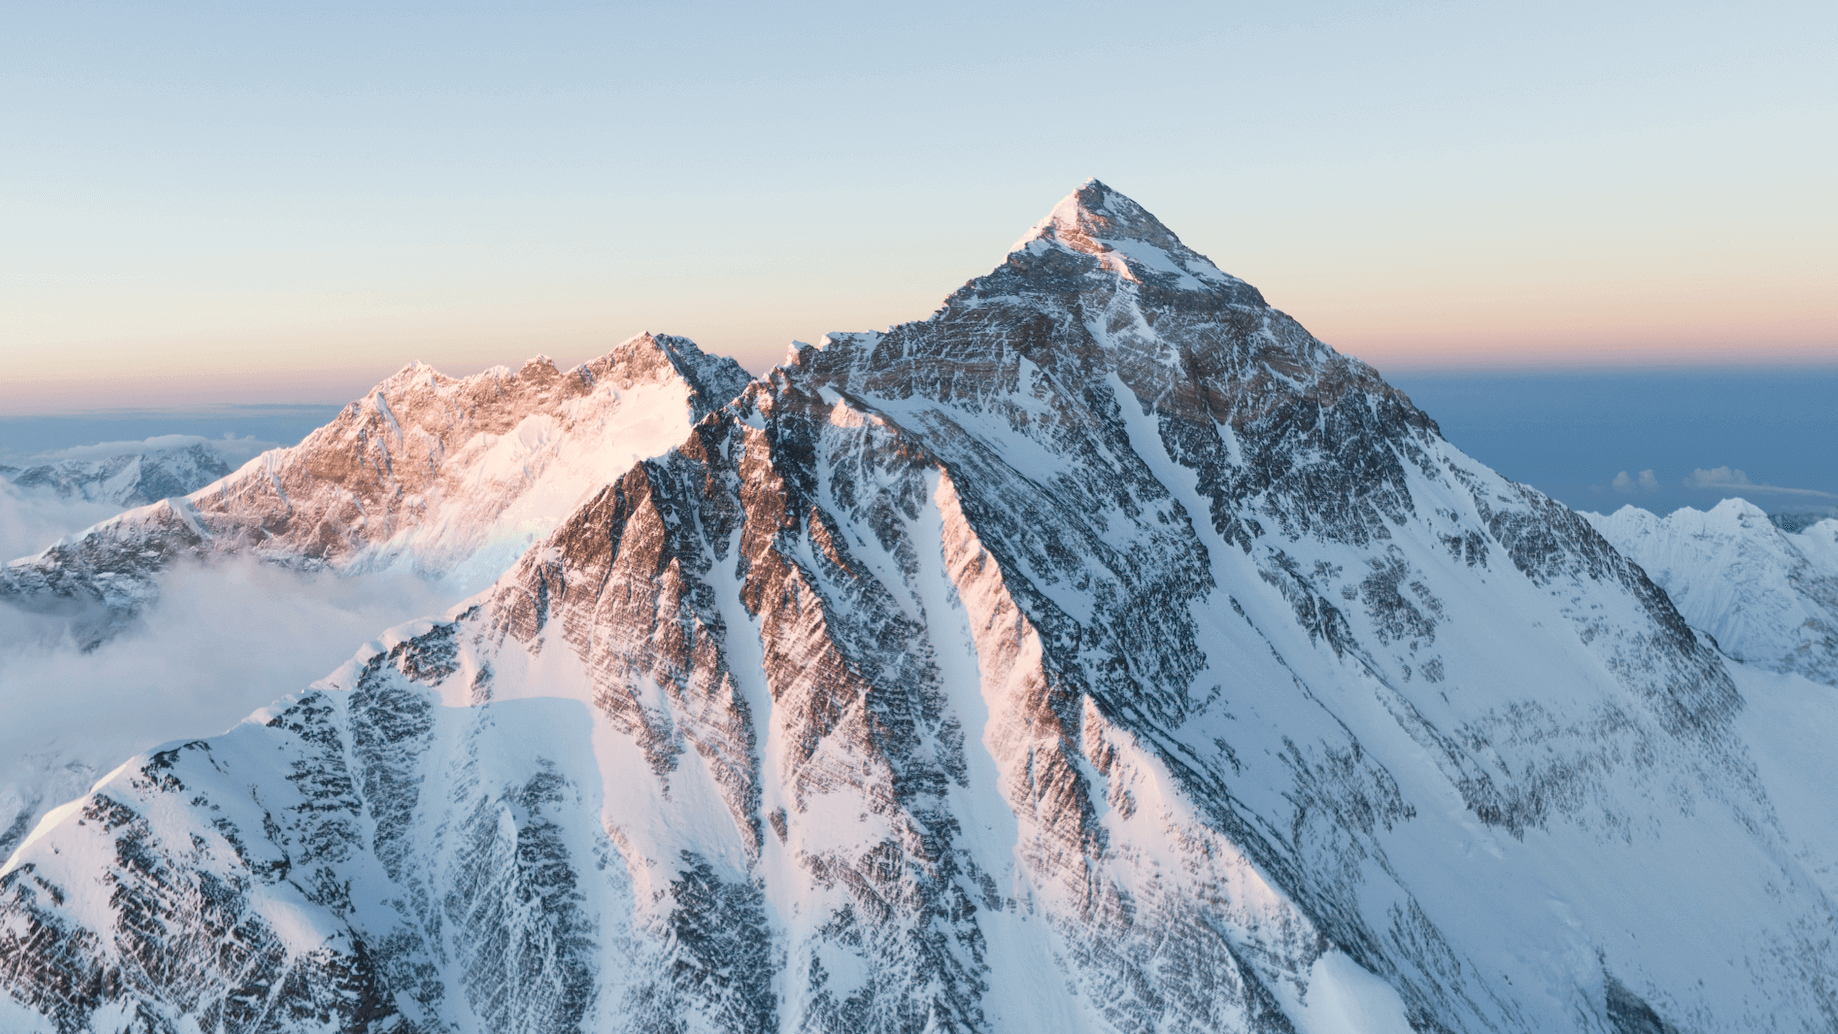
451	477
1103	653
1769	596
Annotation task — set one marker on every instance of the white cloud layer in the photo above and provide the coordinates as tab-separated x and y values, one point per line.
30	521
234	450
222	642
1646	482
1727	478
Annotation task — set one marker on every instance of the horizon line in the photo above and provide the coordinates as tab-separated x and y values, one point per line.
1608	367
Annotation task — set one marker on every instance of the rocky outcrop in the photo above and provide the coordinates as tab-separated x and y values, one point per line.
365	861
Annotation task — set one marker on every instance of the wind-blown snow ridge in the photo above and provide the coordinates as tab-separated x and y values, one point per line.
1101	654
452	477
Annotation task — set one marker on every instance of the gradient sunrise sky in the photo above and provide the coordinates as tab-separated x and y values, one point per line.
257	202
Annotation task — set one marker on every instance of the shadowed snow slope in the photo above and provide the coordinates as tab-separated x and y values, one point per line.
1103	653
452	478
1770	597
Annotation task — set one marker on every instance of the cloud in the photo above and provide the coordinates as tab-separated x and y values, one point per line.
1727	479
30	521
222	642
1718	477
1647	482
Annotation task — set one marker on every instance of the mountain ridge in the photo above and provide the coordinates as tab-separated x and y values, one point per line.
1103	653
455	495
130	474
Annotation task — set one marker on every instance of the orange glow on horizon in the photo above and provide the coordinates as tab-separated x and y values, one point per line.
287	349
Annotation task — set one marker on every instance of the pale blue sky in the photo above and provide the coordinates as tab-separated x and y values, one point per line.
260	202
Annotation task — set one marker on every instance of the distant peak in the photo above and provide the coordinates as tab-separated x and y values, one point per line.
1126	239
647	349
651	343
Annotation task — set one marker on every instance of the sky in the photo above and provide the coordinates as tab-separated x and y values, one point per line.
1658	439
216	203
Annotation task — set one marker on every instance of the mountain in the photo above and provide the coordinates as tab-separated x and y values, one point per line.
129	474
450	477
1103	653
1792	523
1768	596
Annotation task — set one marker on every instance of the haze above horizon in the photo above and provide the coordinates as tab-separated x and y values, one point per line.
259	203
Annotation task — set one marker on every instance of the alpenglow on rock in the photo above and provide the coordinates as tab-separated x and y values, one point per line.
452	477
1103	653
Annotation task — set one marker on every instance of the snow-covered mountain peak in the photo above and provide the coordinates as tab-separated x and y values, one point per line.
1126	240
1825	533
1730	516
1738	512
1103	653
129	474
1101	286
1094	216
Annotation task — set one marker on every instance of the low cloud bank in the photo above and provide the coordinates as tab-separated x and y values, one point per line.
222	642
30	521
1727	479
235	451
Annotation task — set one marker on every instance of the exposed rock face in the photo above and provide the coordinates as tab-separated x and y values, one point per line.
1101	654
1769	596
452	477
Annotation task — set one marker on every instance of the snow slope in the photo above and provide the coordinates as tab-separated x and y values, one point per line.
1770	597
1103	653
